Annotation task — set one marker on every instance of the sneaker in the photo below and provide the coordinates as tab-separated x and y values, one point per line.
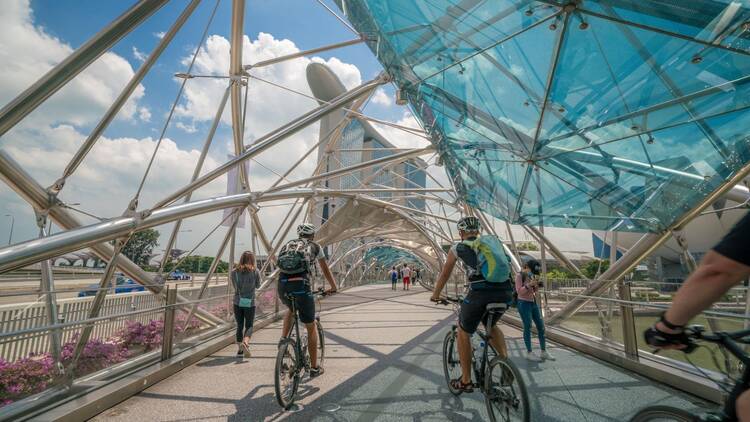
532	357
316	372
546	356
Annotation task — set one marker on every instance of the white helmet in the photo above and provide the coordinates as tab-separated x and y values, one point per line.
305	230
469	224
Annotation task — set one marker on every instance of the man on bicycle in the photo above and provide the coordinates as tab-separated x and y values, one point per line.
481	293
720	270
299	285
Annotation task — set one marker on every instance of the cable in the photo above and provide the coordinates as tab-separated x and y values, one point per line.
174	104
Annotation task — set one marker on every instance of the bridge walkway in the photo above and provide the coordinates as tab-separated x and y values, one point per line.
383	363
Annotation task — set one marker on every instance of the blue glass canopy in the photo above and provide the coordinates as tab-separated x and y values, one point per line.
388	256
606	115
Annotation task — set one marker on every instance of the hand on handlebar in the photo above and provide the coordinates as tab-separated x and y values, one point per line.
663	340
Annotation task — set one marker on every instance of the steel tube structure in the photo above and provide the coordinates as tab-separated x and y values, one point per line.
645	246
26	253
353	168
303	53
79	60
196	173
235	73
125	94
273	138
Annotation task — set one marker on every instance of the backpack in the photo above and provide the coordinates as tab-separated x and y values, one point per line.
492	261
293	257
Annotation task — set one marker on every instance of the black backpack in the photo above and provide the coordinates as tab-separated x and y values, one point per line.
293	258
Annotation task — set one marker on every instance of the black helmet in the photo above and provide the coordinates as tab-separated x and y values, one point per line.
534	266
469	224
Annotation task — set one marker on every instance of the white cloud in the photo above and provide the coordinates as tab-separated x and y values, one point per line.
268	106
381	98
108	177
160	34
400	137
27	52
144	114
189	128
139	55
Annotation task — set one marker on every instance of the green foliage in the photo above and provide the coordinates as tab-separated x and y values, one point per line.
527	246
198	264
140	247
591	267
557	273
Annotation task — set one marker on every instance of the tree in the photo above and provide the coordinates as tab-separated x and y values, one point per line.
591	267
140	246
198	264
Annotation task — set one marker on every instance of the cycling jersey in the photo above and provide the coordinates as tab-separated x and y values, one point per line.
736	244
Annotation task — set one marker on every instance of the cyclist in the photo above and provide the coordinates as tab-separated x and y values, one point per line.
481	293
720	270
298	284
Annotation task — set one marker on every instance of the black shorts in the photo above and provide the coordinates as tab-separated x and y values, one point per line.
736	244
474	306
303	298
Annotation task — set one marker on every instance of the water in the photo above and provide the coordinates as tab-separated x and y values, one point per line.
702	357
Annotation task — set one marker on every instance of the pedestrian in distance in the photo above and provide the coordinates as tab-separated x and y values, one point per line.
407	274
394	278
245	279
527	286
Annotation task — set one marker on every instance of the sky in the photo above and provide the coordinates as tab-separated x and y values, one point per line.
36	35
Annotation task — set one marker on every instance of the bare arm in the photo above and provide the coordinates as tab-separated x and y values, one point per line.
327	273
445	273
713	278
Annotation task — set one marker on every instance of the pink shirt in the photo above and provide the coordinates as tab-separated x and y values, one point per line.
525	292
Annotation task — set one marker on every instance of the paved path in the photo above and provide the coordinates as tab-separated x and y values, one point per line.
383	363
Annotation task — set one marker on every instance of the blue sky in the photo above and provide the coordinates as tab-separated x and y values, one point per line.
37	34
300	21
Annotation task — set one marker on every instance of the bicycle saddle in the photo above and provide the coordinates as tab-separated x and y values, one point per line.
496	307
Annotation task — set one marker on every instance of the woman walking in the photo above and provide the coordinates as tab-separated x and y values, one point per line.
527	286
245	279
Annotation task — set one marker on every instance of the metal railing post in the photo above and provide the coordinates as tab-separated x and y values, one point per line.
628	322
167	345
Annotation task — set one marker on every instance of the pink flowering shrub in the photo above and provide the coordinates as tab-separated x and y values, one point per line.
24	377
147	335
97	354
179	322
34	373
221	311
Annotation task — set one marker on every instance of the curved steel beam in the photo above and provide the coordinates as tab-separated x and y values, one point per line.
29	252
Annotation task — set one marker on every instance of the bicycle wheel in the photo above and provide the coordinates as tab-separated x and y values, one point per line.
286	374
451	363
663	413
505	393
321	344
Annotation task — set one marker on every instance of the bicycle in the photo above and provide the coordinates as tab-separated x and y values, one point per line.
506	396
727	340
292	358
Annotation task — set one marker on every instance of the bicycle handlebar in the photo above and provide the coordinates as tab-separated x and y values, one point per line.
448	300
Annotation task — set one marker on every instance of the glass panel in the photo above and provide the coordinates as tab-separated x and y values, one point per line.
716	22
639	124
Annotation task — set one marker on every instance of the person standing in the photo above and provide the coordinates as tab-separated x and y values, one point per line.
407	274
245	279
527	286
394	278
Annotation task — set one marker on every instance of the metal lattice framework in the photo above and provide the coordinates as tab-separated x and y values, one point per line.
493	162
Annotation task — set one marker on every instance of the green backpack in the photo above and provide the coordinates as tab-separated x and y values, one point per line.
492	261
